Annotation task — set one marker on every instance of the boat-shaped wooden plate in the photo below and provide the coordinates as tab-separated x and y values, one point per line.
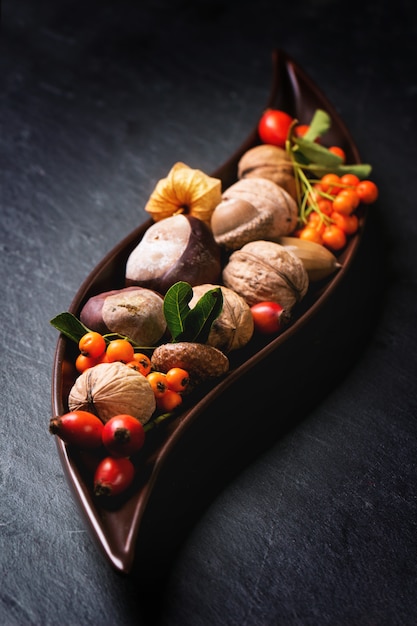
188	459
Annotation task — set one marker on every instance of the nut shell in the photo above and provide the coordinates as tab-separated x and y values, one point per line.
234	326
91	313
137	314
110	389
200	360
266	271
272	162
180	247
253	209
134	312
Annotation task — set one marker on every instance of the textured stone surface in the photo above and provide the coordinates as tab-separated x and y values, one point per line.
97	101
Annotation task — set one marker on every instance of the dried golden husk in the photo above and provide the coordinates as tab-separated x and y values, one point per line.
185	190
110	389
234	326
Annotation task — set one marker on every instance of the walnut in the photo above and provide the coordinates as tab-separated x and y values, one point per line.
272	162
266	271
253	209
234	326
109	389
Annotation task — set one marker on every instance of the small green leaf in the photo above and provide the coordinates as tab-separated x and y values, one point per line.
186	324
70	326
315	153
362	170
176	307
200	319
320	161
319	125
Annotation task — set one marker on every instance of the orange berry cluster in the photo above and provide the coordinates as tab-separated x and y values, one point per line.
168	387
122	436
331	216
94	349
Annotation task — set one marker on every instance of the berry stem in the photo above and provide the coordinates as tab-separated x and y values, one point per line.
157	420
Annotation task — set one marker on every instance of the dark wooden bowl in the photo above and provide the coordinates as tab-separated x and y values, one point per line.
186	460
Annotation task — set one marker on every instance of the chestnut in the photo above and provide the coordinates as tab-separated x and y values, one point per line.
132	311
177	248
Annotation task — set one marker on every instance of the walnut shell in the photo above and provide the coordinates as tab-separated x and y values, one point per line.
266	271
200	360
253	209
110	389
234	327
272	162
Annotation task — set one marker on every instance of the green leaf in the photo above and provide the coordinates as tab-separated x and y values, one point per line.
319	125
320	161
186	324
362	170
70	326
200	319
176	307
315	153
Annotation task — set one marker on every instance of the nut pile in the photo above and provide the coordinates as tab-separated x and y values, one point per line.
222	266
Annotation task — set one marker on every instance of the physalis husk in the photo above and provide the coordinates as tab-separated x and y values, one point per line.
185	190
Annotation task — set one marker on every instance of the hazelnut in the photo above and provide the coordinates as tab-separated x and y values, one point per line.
224	217
253	209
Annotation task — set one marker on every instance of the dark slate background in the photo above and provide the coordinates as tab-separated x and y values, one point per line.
97	100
